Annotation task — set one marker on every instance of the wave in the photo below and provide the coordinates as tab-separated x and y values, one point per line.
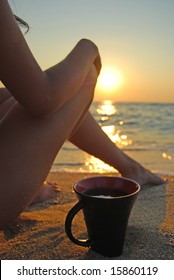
75	164
159	172
70	148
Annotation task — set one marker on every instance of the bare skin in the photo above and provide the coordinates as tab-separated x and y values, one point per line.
130	168
40	111
47	191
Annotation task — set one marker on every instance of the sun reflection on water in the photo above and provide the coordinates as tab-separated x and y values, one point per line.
95	165
106	111
166	156
107	108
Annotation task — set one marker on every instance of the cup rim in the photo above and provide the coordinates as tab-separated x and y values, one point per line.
108	176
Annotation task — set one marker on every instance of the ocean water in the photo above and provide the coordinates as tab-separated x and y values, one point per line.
145	131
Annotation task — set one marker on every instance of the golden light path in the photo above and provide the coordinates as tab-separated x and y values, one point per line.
106	109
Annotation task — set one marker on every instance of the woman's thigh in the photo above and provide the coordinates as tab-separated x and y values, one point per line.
28	147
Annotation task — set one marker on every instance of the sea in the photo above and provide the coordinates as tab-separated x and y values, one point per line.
144	131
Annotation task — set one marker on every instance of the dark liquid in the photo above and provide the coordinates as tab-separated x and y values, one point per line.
105	192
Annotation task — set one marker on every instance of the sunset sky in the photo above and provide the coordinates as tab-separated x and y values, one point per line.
135	39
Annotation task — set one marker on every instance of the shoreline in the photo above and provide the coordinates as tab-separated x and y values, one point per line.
164	174
39	232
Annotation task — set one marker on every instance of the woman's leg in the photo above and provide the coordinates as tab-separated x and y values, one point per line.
28	147
48	189
91	138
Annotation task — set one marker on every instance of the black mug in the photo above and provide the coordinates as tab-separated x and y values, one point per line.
106	202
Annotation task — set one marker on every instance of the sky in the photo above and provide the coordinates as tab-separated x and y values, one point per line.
134	37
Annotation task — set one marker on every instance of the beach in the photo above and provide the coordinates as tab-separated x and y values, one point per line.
39	232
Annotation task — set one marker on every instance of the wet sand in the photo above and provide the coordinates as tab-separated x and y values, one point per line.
39	232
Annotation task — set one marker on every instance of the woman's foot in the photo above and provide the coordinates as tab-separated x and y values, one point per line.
47	191
130	168
142	175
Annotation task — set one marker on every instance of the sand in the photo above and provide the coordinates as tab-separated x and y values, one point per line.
39	232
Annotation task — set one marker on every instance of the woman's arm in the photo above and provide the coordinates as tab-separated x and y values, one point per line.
40	92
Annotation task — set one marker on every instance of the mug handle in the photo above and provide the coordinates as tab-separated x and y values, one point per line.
68	223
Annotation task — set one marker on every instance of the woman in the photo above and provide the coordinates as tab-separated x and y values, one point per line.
40	110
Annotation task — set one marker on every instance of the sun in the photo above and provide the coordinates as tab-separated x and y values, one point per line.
110	79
